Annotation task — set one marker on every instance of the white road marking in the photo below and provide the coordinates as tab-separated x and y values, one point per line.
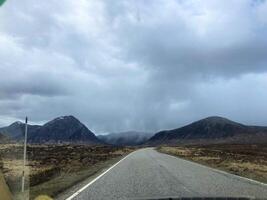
240	177
218	171
98	177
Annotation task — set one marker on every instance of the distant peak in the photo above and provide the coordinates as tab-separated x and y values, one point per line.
67	118
16	123
218	120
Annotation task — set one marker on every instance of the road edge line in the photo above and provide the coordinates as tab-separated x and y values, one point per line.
238	176
218	170
95	179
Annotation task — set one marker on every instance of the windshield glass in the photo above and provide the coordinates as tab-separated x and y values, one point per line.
133	99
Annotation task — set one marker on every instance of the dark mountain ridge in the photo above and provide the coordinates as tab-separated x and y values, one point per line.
65	129
16	130
211	129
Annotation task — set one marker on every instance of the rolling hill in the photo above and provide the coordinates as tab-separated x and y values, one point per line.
211	130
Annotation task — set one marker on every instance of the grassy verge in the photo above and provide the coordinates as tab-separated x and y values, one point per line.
51	169
4	190
61	183
243	160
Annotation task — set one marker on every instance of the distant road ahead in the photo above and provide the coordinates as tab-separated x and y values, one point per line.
149	174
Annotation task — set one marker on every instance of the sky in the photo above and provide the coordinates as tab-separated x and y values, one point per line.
143	65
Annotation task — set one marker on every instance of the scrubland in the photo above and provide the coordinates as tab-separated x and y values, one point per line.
51	169
244	160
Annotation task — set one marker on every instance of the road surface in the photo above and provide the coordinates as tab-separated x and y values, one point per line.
147	174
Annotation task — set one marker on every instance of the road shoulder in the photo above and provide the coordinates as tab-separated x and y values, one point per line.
220	167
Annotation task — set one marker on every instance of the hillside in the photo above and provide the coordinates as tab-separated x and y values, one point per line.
3	138
211	130
65	129
129	138
16	130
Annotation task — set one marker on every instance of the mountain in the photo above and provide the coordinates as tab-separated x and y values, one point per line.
211	130
16	130
66	129
129	138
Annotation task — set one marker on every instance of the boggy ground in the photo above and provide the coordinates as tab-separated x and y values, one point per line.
245	160
52	169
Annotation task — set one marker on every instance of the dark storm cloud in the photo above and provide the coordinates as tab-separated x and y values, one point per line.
171	43
129	64
42	86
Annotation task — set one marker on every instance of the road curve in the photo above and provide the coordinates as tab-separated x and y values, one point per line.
147	174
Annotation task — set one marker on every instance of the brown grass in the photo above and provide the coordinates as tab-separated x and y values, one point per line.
52	169
245	160
4	190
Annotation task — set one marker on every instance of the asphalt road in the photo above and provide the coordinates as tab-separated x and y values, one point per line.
147	174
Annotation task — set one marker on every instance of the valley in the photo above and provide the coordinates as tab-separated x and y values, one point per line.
129	138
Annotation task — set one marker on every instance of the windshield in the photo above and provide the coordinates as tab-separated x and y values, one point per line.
133	99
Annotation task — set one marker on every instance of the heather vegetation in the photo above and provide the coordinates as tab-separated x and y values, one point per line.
51	169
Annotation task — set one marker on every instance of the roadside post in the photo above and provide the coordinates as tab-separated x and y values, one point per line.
24	155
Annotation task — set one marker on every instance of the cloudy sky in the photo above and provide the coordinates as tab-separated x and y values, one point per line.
133	64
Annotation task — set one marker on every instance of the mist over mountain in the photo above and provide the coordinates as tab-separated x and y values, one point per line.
211	130
68	129
65	129
128	138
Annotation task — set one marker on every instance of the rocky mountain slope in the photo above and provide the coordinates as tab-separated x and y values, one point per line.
66	129
211	130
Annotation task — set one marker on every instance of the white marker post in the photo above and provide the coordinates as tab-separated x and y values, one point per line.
24	155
